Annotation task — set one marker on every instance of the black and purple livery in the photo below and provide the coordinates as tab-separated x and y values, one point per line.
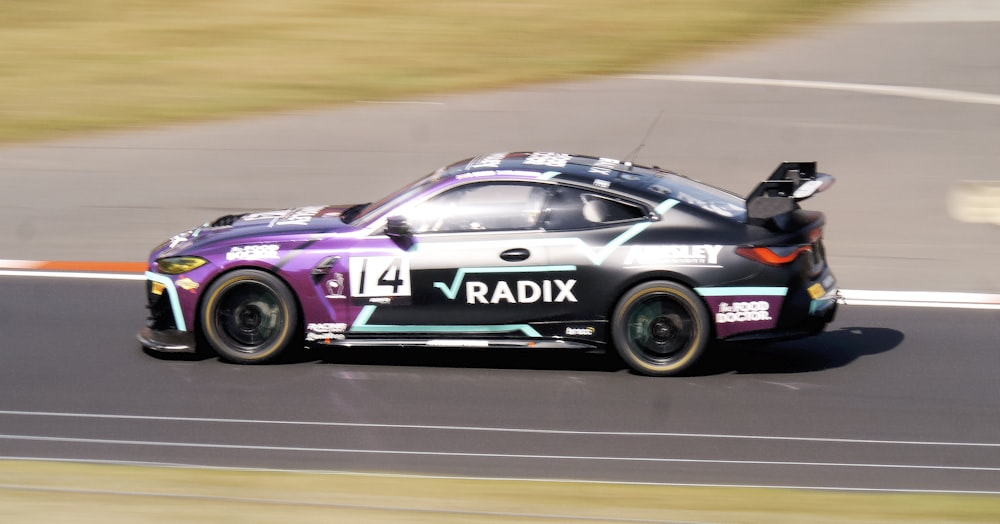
528	249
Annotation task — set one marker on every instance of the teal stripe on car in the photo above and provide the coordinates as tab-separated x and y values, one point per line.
175	303
741	291
361	325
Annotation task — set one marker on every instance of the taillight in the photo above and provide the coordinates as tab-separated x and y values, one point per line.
774	255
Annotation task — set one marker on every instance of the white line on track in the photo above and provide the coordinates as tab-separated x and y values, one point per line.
527	456
492	429
922	93
931	299
71	274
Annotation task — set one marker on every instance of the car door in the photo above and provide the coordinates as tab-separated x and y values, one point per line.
587	229
475	262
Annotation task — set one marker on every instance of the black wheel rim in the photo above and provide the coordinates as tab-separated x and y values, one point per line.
659	328
249	316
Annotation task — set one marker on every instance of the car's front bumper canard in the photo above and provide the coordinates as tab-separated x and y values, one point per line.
166	331
167	341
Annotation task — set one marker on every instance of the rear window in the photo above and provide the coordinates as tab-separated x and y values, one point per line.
701	195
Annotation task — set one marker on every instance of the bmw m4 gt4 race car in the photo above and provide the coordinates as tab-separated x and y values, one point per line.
529	249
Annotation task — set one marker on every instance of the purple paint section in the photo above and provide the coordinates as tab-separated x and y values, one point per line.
744	313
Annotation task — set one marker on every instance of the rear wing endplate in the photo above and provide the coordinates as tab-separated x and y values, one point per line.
790	183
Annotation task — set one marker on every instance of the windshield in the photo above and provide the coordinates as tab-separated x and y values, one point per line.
370	212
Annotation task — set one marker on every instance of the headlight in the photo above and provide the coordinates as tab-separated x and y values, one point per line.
178	265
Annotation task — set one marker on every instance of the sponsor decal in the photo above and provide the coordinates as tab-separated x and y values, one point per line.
287	217
580	332
380	277
752	311
741	309
520	292
327	327
313	337
267	215
492	160
673	255
299	217
604	166
548	159
179	239
335	286
603	184
325	331
451	291
187	284
254	252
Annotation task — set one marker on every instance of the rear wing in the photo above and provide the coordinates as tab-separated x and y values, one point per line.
781	192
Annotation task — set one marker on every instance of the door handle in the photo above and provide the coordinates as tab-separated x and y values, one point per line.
515	255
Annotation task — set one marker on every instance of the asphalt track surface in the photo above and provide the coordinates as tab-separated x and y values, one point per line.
890	398
899	398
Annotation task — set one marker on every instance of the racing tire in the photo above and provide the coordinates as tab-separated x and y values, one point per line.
660	328
249	316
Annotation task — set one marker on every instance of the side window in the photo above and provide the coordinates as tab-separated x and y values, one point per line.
480	207
573	208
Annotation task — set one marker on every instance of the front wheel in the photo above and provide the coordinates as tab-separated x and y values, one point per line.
249	316
660	328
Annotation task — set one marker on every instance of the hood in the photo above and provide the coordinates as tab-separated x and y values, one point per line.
228	228
299	219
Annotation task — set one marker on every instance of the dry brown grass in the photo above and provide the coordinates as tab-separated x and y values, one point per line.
68	66
82	493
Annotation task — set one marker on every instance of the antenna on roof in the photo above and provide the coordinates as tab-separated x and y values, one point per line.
642	143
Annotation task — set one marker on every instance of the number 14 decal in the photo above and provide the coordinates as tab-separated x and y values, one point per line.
380	277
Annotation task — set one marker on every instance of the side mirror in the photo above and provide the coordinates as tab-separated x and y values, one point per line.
397	226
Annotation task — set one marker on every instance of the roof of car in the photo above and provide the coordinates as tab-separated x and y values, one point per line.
650	183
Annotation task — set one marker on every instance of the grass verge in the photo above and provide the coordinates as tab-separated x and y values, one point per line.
68	66
81	493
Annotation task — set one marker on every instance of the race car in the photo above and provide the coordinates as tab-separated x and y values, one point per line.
518	250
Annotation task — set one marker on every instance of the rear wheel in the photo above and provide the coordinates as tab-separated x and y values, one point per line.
660	328
249	316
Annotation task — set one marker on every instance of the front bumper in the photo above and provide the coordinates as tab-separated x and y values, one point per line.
167	341
166	330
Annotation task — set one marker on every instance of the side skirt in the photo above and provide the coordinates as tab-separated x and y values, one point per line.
456	343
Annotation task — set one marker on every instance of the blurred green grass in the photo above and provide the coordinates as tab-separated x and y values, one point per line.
81	493
69	66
